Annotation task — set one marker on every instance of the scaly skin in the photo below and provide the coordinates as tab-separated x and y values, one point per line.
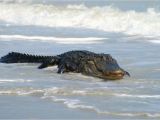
85	62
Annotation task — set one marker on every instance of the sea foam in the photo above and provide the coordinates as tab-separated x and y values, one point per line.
106	18
12	80
60	95
138	96
86	40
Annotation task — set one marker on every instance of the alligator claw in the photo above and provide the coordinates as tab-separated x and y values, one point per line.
127	73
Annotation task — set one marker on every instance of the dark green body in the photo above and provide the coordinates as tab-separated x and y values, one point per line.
85	62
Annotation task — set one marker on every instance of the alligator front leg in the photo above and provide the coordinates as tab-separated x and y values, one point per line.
67	66
61	69
47	63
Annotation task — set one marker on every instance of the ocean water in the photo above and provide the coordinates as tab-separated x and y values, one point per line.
128	30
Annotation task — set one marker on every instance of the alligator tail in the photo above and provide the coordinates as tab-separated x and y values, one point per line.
15	57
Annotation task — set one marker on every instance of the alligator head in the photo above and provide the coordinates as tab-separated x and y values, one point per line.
104	67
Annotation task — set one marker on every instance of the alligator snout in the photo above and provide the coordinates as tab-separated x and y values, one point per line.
116	75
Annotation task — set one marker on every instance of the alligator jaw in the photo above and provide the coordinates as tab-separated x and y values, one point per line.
114	75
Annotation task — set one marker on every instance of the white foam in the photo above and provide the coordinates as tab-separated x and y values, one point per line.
72	103
5	92
16	1
13	80
138	96
155	41
87	40
29	92
104	18
79	92
77	104
64	91
19	91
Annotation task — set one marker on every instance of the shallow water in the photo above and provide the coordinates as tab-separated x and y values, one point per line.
27	92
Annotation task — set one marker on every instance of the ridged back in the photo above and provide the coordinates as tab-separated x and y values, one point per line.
15	57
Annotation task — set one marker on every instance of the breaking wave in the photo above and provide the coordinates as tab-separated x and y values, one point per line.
59	95
77	104
86	40
105	18
62	91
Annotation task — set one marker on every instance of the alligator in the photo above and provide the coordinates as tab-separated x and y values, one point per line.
88	63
